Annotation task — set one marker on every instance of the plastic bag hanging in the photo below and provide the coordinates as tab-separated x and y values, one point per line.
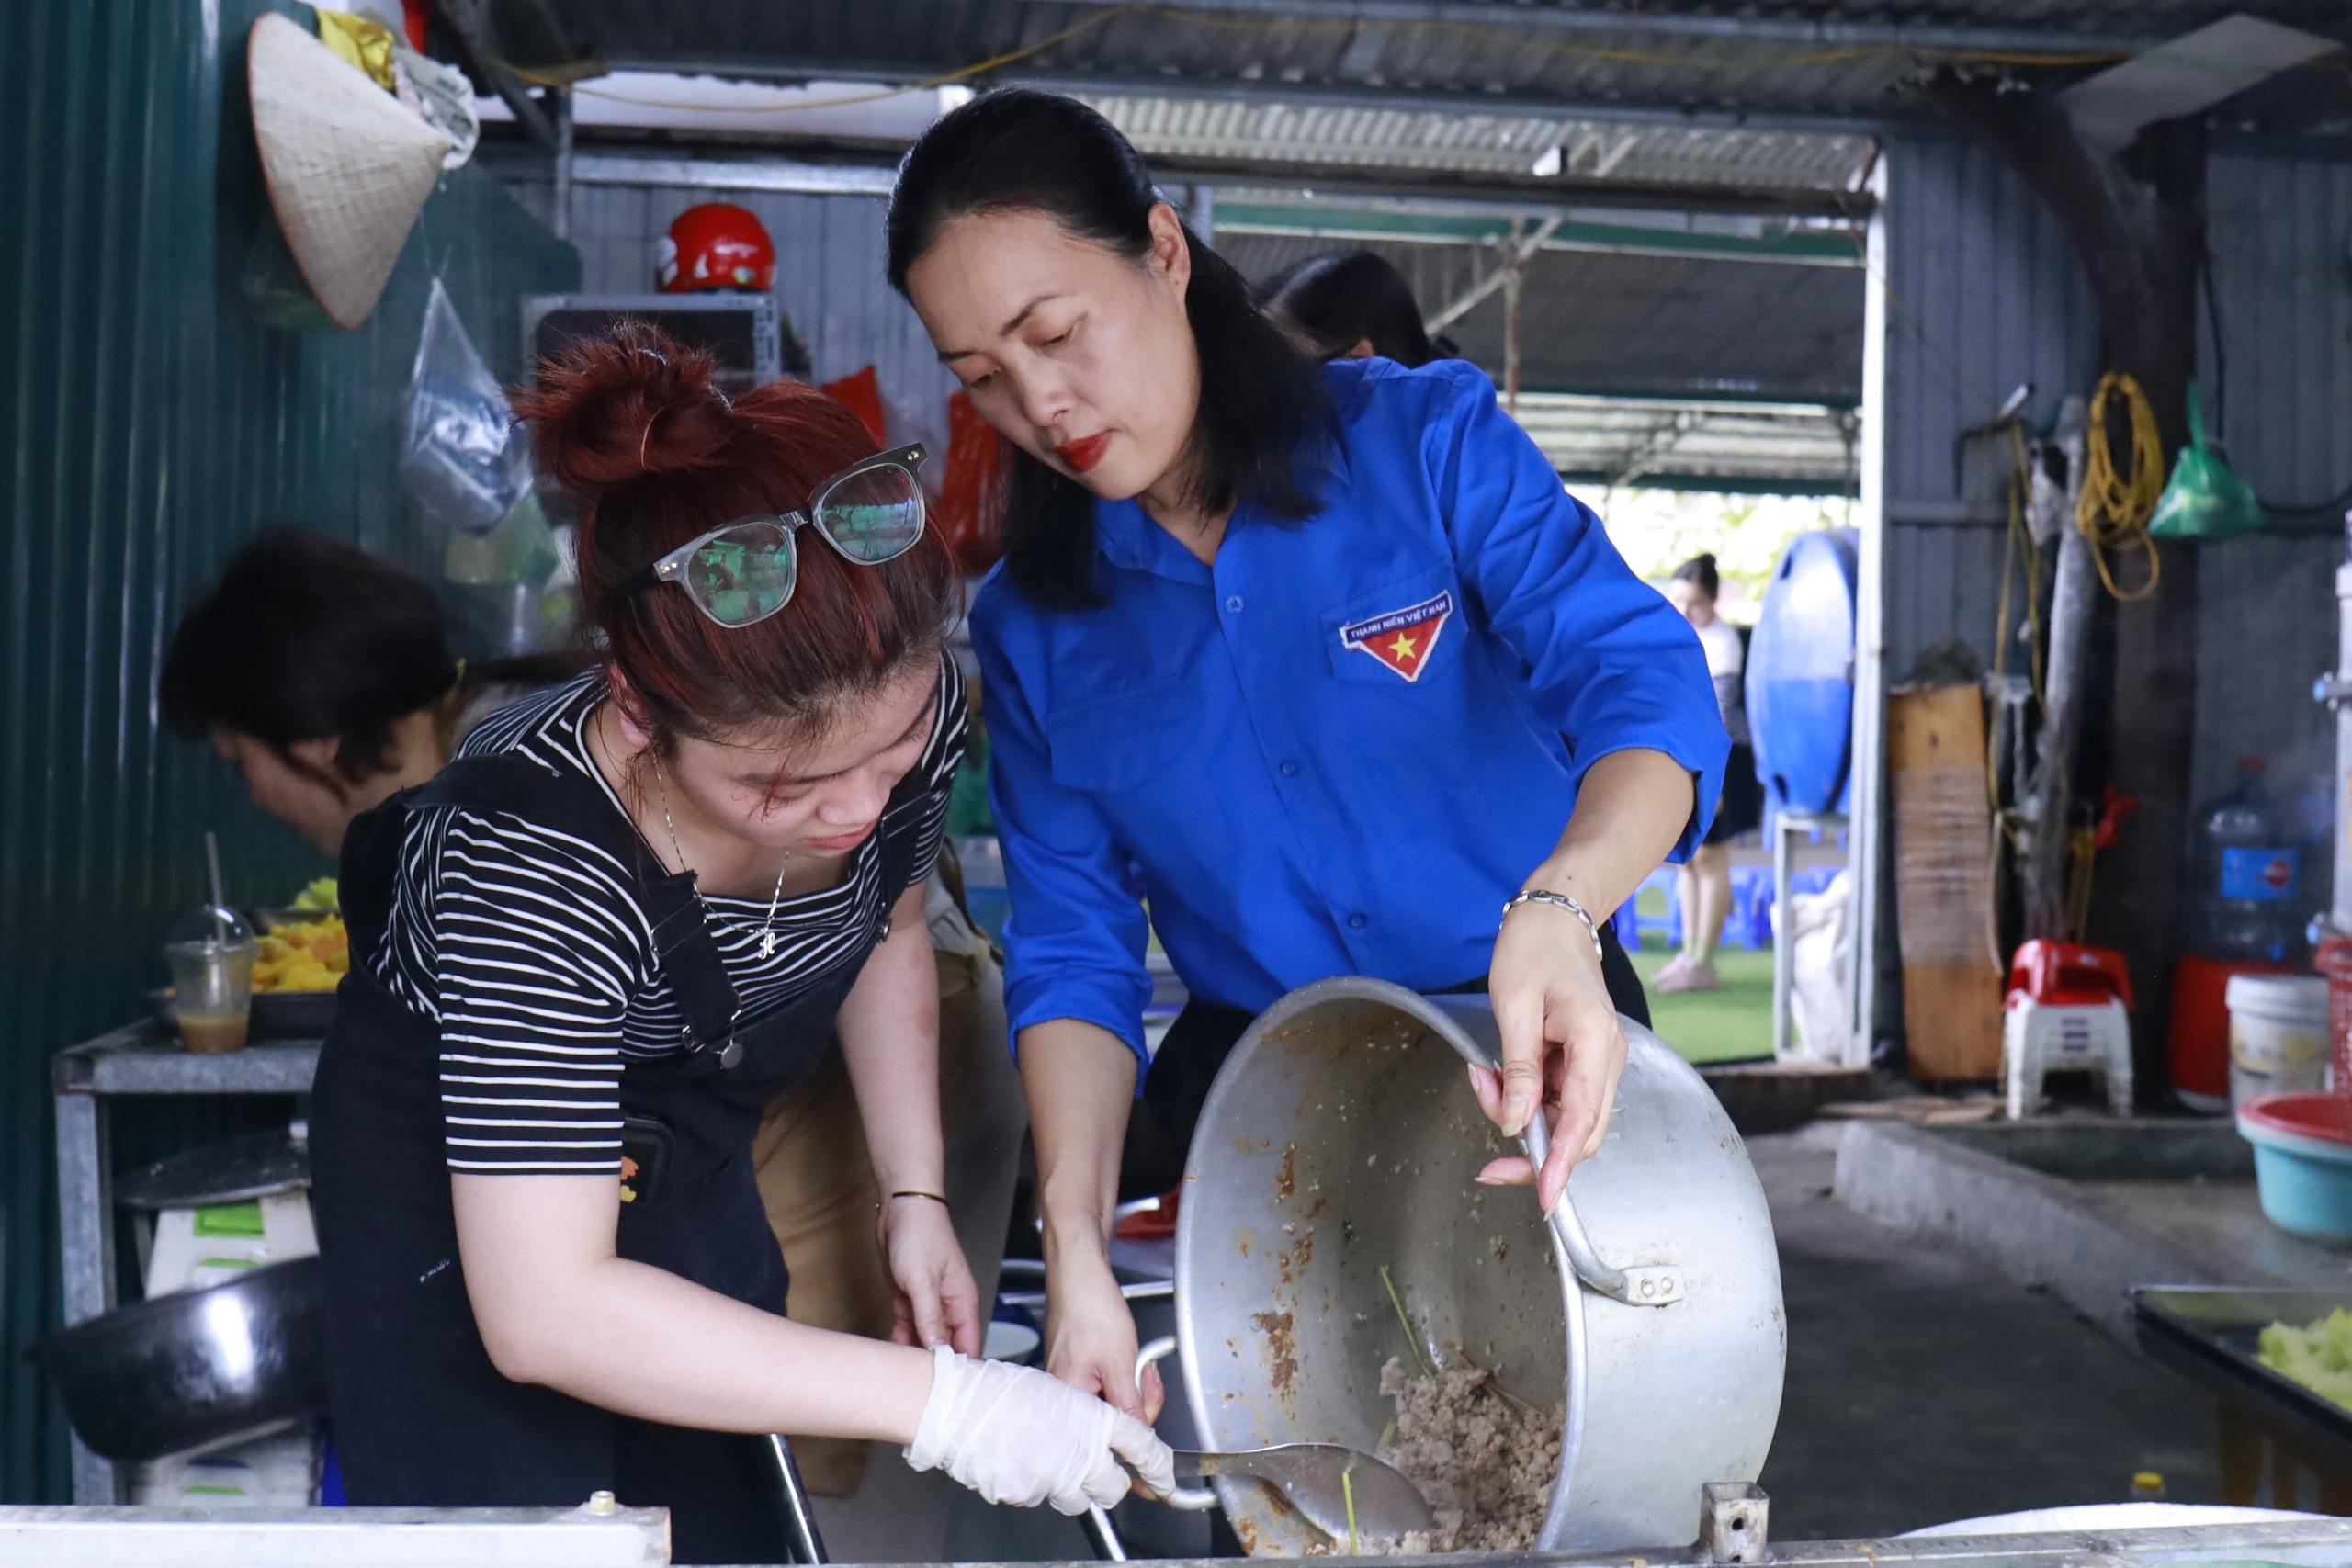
2203	499
462	456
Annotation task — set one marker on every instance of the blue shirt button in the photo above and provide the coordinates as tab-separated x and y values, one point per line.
1290	770
1234	604
1359	921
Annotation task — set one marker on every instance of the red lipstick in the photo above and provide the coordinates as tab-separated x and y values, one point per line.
1085	453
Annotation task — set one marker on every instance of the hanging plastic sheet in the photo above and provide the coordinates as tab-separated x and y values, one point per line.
463	458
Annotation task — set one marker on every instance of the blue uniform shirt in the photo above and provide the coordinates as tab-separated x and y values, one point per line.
1339	748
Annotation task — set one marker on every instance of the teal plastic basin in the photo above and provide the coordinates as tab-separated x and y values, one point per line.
2302	1161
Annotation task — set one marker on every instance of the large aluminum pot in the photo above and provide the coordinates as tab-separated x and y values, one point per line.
194	1367
1342	1136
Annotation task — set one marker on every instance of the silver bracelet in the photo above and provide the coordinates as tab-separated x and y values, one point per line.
1558	900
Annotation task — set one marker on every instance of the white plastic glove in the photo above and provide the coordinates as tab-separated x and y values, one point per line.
1016	1435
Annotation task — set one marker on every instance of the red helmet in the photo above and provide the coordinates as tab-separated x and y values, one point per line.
716	245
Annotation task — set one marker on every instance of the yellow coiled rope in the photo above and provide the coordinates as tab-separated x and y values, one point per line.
2113	514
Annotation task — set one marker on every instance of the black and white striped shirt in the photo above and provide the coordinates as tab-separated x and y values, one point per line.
530	951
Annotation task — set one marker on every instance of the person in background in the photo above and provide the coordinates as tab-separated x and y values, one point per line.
322	674
1350	305
1706	876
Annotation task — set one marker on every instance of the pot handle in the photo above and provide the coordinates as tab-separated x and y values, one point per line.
1190	1499
1655	1286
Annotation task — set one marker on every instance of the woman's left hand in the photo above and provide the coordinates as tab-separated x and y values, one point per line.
934	1300
1562	1050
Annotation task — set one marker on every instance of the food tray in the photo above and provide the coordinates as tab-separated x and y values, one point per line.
2209	1334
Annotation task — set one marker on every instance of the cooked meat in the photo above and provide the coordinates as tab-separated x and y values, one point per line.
1484	1462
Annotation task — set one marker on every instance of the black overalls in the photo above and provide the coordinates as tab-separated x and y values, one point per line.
421	1415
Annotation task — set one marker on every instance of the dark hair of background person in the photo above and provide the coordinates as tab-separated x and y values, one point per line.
306	637
1018	149
1701	569
633	428
1343	297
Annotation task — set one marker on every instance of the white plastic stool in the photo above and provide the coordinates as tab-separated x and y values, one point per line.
2038	1038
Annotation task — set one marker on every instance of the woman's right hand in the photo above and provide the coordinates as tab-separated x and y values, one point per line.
1090	1338
1018	1437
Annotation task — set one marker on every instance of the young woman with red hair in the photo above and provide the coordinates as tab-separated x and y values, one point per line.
627	915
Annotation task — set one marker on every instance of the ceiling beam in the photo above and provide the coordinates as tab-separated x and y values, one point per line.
1520	256
796	70
1519	189
1556	20
1514	191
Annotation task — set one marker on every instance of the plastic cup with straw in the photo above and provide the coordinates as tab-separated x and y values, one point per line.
211	954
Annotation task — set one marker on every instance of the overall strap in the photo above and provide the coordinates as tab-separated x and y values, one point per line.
570	804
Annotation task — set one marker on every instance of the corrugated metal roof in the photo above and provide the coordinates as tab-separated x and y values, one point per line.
1627	325
1694	444
1820	58
1274	131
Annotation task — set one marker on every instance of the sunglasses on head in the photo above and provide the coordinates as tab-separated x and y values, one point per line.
741	573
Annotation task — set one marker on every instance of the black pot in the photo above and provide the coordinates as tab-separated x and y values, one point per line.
194	1367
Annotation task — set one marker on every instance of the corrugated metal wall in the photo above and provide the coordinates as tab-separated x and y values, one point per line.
2278	228
151	428
1987	294
829	279
1983	295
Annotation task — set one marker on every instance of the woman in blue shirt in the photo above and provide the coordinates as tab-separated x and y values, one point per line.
1322	662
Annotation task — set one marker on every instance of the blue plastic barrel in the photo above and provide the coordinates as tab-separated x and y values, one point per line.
1800	674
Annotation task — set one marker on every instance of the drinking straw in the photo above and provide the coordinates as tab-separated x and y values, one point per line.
219	901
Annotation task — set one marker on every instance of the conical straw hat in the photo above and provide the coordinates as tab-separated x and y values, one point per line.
348	167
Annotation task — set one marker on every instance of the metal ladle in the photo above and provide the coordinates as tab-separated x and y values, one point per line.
1341	1491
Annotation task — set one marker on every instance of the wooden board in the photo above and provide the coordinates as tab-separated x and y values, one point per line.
1943	882
1951	1021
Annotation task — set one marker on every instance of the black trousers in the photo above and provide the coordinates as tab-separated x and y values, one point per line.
1160	1128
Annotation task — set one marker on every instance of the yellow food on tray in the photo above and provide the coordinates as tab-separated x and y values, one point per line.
2319	1358
312	956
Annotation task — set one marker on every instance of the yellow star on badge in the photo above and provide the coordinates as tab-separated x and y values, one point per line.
1403	647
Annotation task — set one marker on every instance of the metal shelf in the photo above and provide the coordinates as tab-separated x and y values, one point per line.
139	1059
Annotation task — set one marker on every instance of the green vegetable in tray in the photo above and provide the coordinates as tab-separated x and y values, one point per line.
320	895
2319	1358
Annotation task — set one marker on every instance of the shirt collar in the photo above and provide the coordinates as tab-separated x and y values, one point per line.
1126	536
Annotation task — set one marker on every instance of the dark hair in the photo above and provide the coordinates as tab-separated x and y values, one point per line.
1263	403
1343	297
306	637
1701	569
633	427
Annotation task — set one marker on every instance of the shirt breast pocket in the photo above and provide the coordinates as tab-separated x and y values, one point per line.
1400	632
1123	739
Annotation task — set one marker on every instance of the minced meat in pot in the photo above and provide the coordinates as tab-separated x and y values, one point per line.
1484	1460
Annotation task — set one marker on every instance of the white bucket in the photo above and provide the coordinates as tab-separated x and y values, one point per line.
2278	1036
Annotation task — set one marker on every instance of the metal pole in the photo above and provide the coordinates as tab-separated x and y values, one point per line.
1103	1535
562	214
1866	841
87	1245
800	1520
2071	606
1510	315
1783	939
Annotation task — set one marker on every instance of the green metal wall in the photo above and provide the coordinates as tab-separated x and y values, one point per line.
151	426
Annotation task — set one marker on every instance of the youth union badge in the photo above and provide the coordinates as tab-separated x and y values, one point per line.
1402	639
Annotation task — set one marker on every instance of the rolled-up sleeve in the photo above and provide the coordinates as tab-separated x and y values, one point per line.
1610	663
1074	944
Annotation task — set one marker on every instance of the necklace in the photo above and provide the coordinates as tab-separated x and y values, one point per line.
767	936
